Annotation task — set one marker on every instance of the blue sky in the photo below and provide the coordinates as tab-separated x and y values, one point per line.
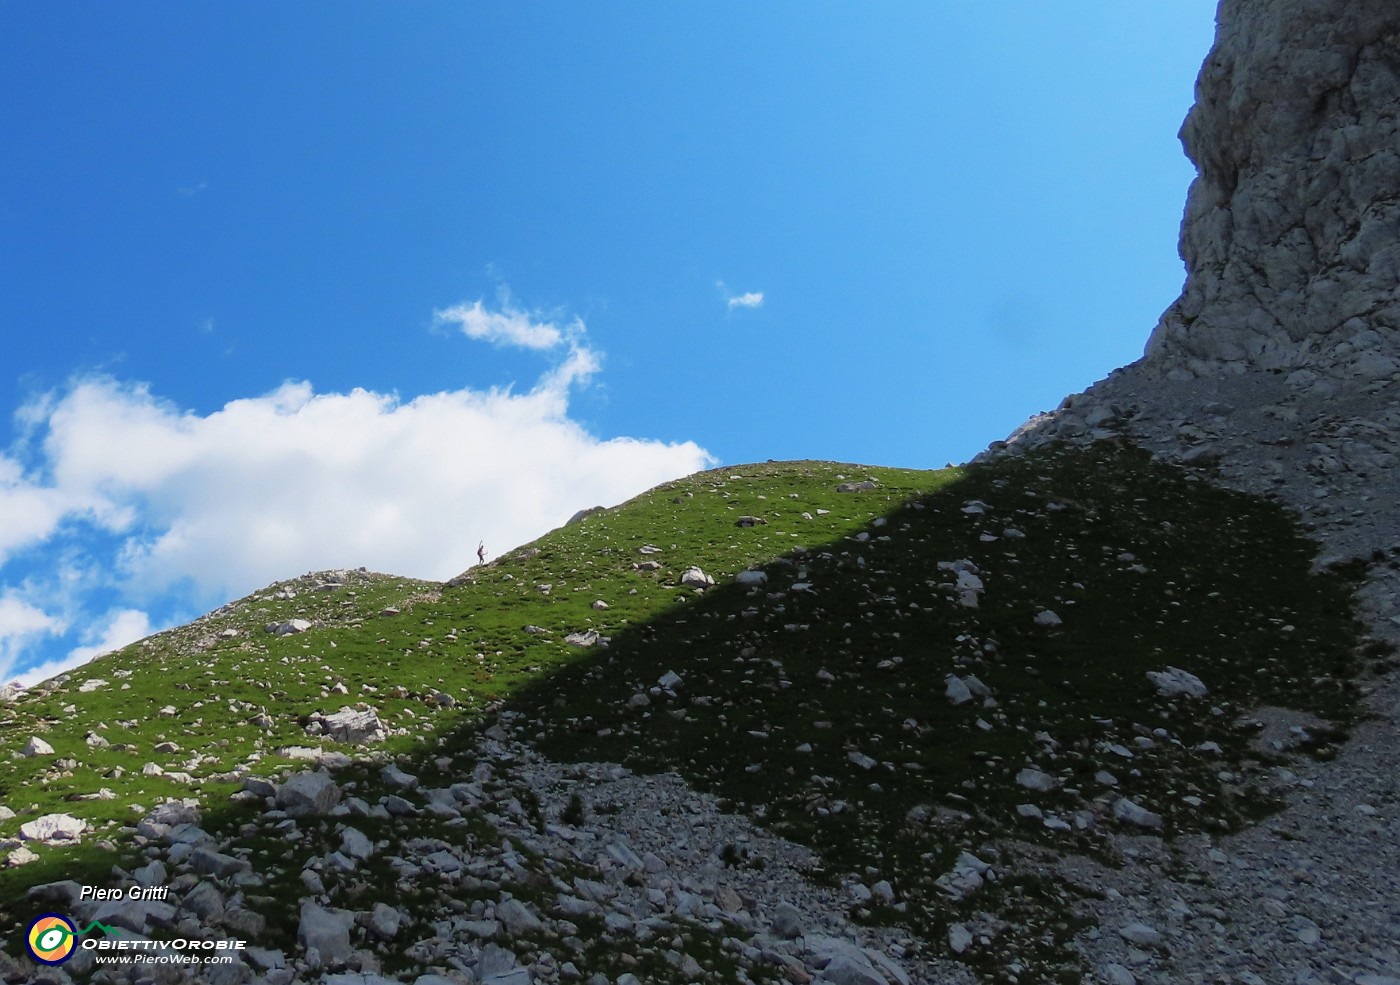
294	286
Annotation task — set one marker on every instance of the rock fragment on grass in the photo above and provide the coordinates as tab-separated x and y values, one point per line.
53	829
1175	682
1130	813
308	793
1037	780
957	690
288	627
693	577
36	747
354	726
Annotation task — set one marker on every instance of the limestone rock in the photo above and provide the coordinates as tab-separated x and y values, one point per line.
51	829
328	931
1127	811
693	577
397	778
384	921
957	690
1034	779
1141	934
288	627
65	893
308	793
36	747
1175	682
1290	236
847	970
516	917
787	921
355	844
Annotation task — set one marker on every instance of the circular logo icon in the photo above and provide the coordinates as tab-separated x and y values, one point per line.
51	938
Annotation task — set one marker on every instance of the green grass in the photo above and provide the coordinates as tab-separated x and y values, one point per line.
1217	584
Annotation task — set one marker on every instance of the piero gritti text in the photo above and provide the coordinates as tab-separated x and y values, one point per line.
146	893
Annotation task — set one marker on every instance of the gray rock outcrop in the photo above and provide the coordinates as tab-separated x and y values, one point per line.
1292	230
1277	371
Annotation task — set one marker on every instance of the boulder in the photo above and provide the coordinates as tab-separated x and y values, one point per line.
384	921
693	577
328	931
64	893
354	726
516	917
308	793
1175	682
36	747
969	874
1141	934
958	692
204	901
865	485
355	844
397	778
1130	813
288	627
846	969
787	921
206	861
1034	779
53	829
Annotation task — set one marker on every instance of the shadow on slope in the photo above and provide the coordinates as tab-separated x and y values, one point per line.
827	702
823	711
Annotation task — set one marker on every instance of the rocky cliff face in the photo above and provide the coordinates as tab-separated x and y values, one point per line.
1291	236
1278	370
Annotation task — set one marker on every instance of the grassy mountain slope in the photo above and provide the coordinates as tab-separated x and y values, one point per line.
817	701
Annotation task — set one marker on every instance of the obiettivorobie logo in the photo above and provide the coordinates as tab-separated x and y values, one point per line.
52	937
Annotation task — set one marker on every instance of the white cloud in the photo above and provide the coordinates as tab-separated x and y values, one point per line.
28	512
19	618
182	511
270	486
122	627
514	327
750	299
508	327
21	624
